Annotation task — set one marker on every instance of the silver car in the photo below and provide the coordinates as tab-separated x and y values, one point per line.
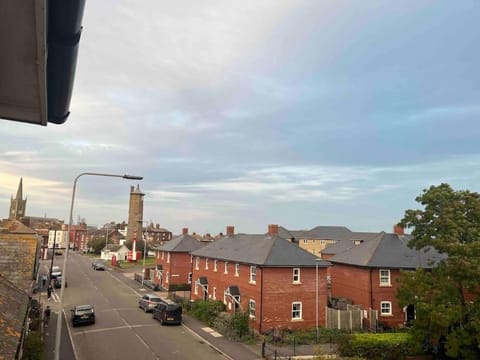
148	301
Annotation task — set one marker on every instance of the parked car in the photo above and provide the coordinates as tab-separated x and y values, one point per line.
98	265
167	312
83	314
57	282
148	301
56	271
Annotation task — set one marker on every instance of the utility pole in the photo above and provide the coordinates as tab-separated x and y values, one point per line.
53	255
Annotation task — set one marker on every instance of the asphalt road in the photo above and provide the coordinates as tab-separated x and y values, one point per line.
122	330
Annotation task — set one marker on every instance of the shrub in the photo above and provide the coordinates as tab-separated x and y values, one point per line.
33	346
206	311
386	346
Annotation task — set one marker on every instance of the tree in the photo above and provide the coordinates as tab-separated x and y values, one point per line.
138	247
445	297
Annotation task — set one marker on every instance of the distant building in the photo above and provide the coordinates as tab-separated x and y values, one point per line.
18	205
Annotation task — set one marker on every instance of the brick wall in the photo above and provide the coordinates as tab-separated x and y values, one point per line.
362	286
18	258
177	269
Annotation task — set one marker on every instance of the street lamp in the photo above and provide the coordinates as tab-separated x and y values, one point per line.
316	298
64	270
144	237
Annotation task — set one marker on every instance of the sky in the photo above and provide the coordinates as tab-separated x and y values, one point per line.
249	113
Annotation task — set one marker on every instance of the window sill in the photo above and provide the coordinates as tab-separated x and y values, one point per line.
297	320
252	282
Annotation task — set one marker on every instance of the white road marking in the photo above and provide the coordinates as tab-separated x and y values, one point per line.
112	329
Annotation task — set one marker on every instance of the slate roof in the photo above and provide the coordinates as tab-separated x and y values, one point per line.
389	251
328	233
114	247
259	249
182	243
14	305
345	244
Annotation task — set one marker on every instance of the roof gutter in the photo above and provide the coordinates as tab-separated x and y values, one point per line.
63	37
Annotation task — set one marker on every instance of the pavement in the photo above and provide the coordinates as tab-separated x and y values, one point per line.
230	349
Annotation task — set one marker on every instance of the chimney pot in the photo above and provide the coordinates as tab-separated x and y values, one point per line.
272	229
397	229
230	230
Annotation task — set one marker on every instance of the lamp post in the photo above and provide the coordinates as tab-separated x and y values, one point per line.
64	270
316	300
106	239
144	237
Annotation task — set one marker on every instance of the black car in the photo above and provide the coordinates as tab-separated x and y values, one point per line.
57	282
83	314
167	312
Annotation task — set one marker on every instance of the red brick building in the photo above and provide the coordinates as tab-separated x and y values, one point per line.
265	275
174	262
366	269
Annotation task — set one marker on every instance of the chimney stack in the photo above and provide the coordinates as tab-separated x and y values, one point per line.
185	231
397	229
272	229
230	230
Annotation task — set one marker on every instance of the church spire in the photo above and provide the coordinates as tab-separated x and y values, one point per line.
18	205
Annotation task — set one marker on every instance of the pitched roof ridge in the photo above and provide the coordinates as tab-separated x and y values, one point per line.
376	242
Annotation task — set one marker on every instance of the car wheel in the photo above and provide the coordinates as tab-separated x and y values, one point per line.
161	321
153	316
145	309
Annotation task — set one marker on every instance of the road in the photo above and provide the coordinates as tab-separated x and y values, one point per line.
122	330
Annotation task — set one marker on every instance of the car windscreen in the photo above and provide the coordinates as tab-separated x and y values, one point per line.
83	310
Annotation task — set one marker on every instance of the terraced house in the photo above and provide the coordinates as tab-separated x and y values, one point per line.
366	269
279	284
174	262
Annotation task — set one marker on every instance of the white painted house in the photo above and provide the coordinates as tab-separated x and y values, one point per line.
119	251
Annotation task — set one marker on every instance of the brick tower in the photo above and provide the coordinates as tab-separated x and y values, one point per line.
135	213
18	205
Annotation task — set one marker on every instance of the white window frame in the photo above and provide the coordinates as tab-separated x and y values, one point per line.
305	241
225	270
197	262
385	279
206	263
296	275
297	313
168	258
237	269
166	277
252	306
163	255
191	259
215	265
214	294
189	277
253	274
385	308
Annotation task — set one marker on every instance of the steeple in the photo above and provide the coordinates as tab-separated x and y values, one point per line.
18	205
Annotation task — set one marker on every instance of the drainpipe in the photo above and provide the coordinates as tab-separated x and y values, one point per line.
371	289
261	303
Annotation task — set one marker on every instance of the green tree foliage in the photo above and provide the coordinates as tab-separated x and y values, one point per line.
98	244
446	299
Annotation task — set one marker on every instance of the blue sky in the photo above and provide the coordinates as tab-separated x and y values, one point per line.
246	113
